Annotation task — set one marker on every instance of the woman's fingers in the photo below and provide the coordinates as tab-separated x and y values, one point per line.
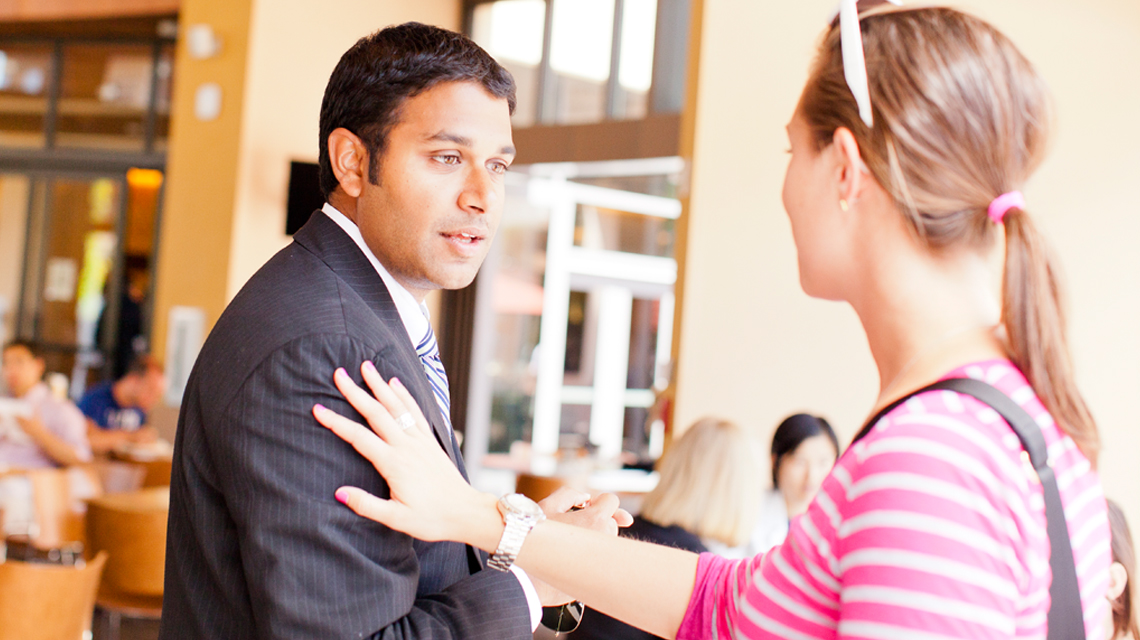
364	441
394	397
562	500
387	512
382	421
401	392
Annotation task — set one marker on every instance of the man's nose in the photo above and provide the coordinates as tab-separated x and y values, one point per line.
479	191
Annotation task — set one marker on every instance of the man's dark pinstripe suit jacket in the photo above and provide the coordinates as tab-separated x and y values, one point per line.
257	546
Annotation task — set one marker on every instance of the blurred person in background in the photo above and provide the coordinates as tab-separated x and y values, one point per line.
37	429
804	448
707	497
129	334
1124	623
117	411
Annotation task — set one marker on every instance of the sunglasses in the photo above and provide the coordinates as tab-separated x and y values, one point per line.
563	619
851	44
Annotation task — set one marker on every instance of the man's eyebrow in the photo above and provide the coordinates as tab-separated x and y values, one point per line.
444	136
463	141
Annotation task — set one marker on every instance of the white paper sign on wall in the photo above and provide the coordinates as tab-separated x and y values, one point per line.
183	341
59	285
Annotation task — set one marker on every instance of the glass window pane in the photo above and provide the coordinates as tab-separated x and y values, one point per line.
79	247
104	95
635	64
129	337
514	275
511	31
613	230
162	98
25	72
580	44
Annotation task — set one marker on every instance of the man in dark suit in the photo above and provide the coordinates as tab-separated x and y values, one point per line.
415	139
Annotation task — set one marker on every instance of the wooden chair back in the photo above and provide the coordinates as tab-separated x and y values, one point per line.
113	476
537	487
47	602
157	472
57	521
131	528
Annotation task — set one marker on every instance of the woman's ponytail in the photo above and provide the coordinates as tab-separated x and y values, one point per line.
1034	321
961	119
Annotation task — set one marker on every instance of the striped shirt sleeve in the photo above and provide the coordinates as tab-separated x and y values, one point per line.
930	528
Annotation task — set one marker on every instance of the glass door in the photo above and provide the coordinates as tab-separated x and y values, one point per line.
574	316
86	270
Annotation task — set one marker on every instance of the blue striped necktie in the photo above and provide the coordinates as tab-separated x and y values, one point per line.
428	351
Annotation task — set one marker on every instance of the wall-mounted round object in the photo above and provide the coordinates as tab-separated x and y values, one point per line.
202	41
208	101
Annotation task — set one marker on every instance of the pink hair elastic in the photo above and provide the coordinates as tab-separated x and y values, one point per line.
1003	203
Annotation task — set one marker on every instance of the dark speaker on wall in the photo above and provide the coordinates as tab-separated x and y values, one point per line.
304	194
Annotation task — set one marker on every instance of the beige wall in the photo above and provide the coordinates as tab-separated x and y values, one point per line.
294	45
225	205
14	191
754	348
197	216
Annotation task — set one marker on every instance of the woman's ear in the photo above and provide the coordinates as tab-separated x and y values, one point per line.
349	159
1117	580
851	172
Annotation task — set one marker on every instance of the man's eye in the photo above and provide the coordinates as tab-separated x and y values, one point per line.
448	159
499	167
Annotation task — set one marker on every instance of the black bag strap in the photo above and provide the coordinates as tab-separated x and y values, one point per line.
1066	617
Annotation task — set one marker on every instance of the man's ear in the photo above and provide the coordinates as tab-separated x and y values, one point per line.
850	170
349	159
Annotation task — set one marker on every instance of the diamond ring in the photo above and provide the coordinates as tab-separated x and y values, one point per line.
406	421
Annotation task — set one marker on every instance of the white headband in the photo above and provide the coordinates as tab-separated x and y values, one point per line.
854	64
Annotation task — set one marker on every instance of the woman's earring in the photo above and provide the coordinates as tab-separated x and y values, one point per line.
843	204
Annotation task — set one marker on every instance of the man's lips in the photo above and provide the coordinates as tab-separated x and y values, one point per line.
465	236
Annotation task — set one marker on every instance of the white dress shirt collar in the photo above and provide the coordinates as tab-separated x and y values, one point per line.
413	314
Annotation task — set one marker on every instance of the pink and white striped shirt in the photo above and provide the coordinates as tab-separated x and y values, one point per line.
932	527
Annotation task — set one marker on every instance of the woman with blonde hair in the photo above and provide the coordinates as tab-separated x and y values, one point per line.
707	496
912	138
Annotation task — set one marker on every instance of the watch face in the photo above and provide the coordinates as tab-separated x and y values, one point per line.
522	504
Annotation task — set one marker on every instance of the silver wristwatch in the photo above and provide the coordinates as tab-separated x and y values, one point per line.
520	514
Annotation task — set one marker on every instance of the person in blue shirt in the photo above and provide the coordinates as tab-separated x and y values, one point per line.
116	411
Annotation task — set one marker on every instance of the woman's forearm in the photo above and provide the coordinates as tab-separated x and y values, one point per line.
653	586
646	585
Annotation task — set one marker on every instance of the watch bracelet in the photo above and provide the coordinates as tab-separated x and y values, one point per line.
515	533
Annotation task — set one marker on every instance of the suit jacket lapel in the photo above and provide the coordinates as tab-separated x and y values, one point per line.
326	240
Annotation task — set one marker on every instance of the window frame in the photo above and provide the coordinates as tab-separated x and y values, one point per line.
666	92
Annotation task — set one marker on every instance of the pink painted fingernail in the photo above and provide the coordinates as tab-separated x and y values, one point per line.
396	383
368	366
340	372
342	496
320	408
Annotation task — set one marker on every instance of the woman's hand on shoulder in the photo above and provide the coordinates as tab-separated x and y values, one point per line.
429	499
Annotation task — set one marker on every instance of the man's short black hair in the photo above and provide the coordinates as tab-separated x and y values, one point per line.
380	71
141	365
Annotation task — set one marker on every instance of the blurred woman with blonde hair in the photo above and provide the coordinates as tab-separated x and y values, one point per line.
707	497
